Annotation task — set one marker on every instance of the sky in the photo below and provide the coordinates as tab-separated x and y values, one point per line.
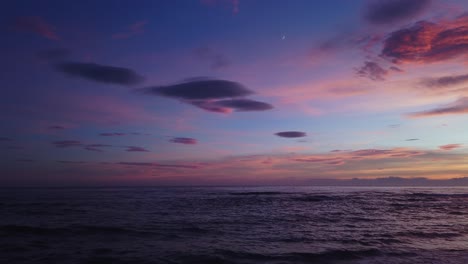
221	92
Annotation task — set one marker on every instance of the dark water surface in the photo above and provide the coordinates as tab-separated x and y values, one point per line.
234	225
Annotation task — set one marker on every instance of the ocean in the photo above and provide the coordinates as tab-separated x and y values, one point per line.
234	225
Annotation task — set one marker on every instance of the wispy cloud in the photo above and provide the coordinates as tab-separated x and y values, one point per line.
56	127
67	143
450	146
389	11
112	134
372	70
446	81
136	149
184	140
100	73
134	29
458	107
37	25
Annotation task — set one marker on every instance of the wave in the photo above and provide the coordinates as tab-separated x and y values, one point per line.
257	193
316	198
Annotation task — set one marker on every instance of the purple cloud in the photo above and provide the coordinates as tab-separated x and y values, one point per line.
100	73
389	11
184	140
56	127
458	107
291	134
428	42
446	80
67	143
112	134
136	149
37	25
200	89
373	71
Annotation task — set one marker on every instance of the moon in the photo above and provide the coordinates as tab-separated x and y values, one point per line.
283	37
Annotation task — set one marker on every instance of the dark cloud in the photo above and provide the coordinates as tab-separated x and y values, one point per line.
93	149
98	145
54	54
458	107
450	146
184	140
227	106
324	160
56	127
67	143
211	95
112	134
428	42
156	165
37	25
200	89
446	81
372	70
291	134
136	149
389	11
70	162
241	105
5	139
216	60
412	139
177	166
136	163
100	73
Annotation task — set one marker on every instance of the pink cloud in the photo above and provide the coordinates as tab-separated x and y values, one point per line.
37	25
450	146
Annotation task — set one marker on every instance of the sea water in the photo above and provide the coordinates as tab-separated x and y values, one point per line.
234	225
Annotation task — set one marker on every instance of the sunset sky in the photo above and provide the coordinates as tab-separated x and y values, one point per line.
198	92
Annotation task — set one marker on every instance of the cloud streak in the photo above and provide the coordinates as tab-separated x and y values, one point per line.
136	149
37	25
450	146
291	134
184	140
446	81
389	11
100	73
456	108
200	89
